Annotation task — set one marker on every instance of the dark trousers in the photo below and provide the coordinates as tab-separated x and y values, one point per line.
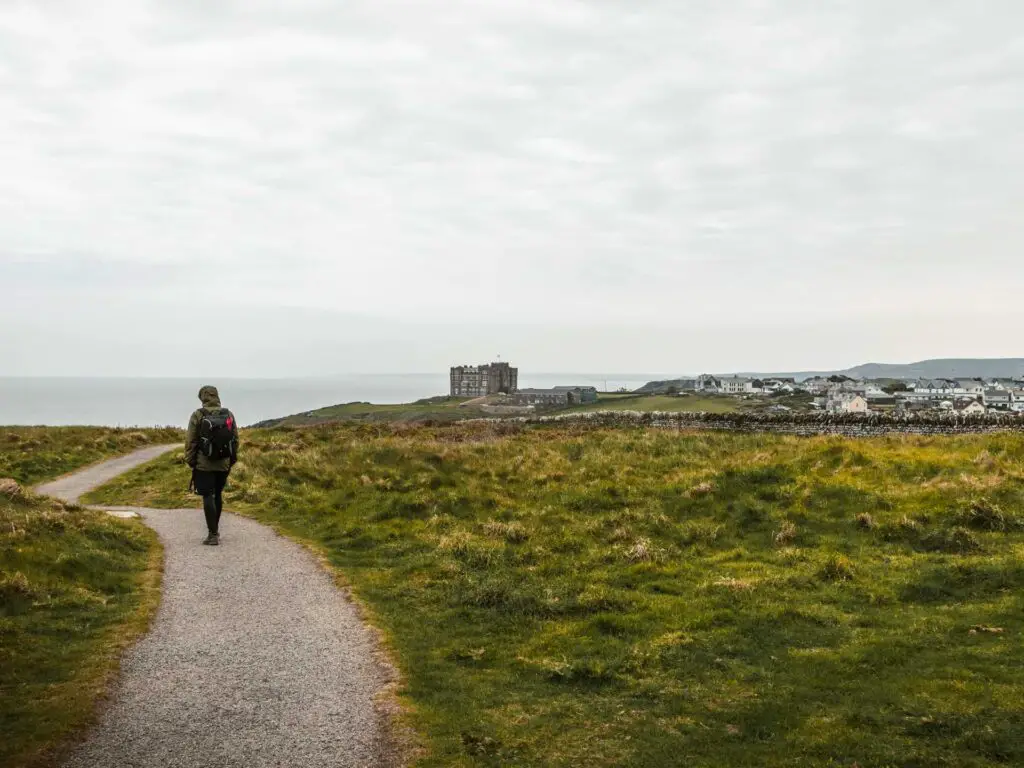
210	485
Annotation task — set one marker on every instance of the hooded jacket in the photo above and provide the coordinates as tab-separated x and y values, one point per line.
210	399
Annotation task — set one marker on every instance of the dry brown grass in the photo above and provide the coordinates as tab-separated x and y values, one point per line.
513	532
642	551
701	489
734	585
785	535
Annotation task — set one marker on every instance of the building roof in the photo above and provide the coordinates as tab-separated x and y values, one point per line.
997	393
482	367
573	388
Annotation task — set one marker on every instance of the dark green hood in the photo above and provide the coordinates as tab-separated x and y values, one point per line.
209	397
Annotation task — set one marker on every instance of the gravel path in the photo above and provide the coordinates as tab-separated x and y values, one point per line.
255	658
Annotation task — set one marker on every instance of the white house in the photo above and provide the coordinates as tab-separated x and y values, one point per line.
919	396
971	387
735	385
1017	403
936	387
998	398
972	407
841	402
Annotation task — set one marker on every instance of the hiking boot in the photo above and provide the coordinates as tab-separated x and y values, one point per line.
213	540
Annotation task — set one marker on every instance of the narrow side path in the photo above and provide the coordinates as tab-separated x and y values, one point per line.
255	658
70	487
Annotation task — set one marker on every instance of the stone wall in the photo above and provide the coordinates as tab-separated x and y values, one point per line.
847	424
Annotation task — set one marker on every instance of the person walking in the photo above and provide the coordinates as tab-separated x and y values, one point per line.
211	450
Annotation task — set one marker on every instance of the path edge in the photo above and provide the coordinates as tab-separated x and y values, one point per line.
400	745
127	636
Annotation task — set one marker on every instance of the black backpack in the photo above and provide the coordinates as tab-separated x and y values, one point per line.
217	434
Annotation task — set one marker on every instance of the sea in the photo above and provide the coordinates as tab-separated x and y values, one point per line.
159	402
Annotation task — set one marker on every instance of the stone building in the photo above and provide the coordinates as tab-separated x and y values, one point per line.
482	380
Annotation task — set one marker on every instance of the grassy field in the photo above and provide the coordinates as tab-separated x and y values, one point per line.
76	587
31	455
448	410
565	597
445	409
438	409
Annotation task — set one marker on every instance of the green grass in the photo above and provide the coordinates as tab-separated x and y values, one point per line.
571	596
448	410
31	455
76	587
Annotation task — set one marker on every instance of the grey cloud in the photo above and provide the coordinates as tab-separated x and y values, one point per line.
641	163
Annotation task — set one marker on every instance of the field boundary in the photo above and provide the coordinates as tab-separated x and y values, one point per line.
845	424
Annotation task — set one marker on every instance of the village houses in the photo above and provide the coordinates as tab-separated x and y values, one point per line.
843	394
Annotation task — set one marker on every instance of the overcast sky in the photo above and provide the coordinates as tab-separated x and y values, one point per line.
280	188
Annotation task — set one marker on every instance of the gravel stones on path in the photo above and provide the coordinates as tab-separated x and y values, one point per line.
255	659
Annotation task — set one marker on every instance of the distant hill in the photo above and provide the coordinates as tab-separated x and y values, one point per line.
959	368
962	368
438	409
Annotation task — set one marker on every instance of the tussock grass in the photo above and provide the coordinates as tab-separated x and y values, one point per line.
75	588
865	520
571	596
